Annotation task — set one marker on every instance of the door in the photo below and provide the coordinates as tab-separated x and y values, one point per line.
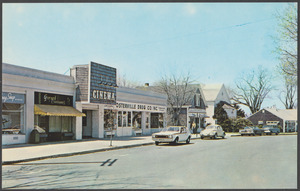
87	124
183	134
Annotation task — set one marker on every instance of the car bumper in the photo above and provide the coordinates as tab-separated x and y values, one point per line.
246	133
163	140
207	135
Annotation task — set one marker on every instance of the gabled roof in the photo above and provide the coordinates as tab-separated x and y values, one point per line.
211	91
285	114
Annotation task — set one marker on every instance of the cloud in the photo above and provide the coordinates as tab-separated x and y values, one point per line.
190	8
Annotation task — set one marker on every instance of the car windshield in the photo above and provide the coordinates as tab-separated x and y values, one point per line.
247	128
211	127
171	129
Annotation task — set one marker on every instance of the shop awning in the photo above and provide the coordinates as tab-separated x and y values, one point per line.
55	110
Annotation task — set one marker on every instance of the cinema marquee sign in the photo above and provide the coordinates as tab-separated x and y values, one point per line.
102	84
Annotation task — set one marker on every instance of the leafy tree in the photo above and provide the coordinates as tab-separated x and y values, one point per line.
239	111
287	39
222	117
239	123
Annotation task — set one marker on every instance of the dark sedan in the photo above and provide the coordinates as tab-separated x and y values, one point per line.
268	130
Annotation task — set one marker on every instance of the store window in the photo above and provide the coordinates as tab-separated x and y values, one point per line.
120	119
129	119
12	118
157	120
137	119
124	119
13	113
109	119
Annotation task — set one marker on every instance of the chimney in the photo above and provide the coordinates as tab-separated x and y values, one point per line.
146	84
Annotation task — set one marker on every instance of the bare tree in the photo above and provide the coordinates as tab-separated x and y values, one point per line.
288	96
253	88
123	81
287	39
179	93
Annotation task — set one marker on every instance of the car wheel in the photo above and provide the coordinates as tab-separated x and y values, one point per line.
202	137
215	136
188	140
276	133
176	140
156	142
223	136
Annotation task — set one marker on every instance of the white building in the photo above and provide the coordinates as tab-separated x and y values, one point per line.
86	104
214	94
32	98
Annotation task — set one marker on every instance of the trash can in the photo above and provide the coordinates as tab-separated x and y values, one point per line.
34	136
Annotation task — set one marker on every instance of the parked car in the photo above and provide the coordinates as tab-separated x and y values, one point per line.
212	131
251	130
172	134
271	129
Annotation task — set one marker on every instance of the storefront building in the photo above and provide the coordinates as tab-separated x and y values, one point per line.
113	110
36	99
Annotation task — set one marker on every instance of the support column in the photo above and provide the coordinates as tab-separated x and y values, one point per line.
78	123
29	113
143	122
101	122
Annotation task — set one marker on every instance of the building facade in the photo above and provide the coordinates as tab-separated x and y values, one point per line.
112	110
86	104
36	99
214	94
286	118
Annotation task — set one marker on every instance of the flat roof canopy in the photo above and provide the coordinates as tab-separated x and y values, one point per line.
56	110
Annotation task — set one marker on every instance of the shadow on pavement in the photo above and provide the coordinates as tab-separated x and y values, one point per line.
174	145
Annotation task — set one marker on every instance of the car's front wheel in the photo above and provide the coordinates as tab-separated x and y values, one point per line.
156	143
215	136
188	140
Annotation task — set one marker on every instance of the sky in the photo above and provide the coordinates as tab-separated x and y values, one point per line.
213	42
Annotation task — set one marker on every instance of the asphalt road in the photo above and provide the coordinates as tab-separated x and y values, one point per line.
260	162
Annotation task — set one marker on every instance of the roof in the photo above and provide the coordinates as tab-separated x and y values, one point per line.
226	106
285	114
211	91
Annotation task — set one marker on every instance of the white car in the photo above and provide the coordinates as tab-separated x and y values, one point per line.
172	134
212	131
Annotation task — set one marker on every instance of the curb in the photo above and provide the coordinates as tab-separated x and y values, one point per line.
75	153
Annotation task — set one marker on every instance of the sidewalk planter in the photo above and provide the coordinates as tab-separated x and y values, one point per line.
137	132
10	139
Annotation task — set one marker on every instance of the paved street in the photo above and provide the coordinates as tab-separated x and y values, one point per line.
235	162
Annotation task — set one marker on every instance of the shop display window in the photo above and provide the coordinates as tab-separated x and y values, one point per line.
124	119
137	119
120	119
109	119
129	119
13	118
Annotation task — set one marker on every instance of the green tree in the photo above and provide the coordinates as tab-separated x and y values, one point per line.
222	117
239	123
287	38
239	111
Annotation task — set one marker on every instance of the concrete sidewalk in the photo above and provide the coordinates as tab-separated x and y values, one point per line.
29	152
